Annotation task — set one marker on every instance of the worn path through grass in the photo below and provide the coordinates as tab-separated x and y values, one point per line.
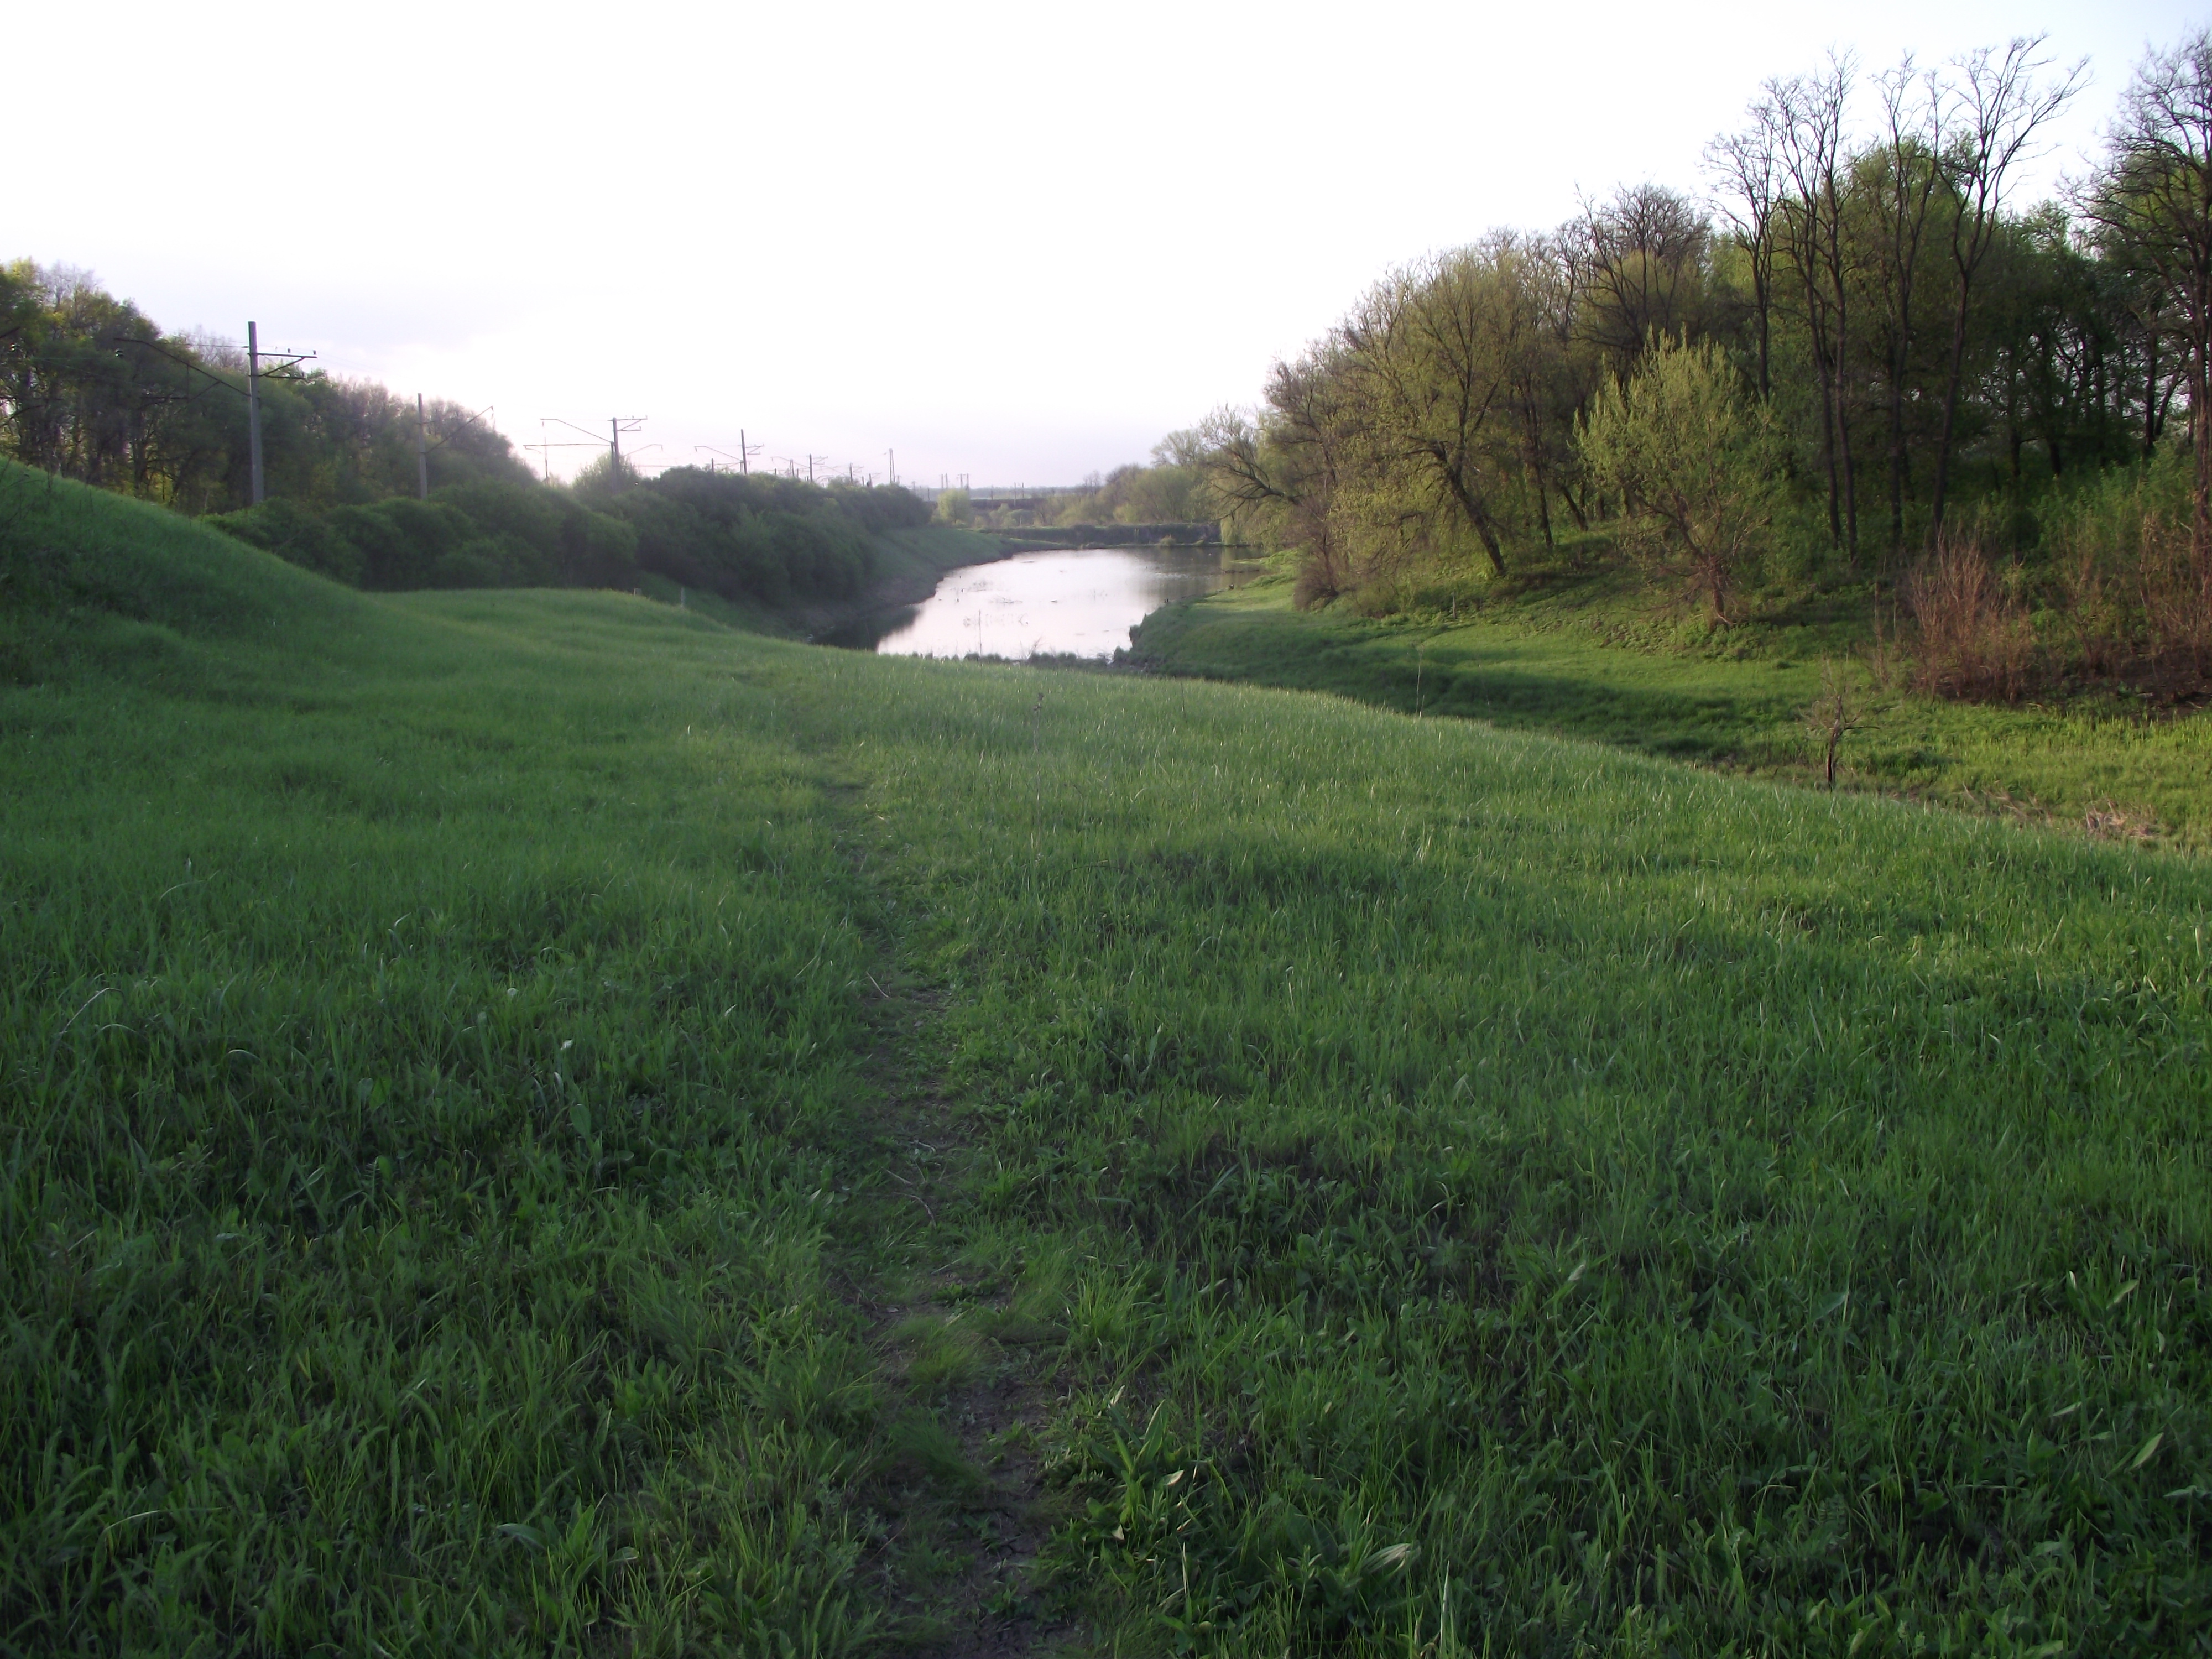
434	1034
967	1393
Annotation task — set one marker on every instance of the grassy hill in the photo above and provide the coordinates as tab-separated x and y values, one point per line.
535	1121
1597	658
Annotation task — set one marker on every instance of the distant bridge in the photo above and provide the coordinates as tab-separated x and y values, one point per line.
1024	498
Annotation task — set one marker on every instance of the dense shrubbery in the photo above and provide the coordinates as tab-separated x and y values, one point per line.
483	534
2105	583
772	541
768	541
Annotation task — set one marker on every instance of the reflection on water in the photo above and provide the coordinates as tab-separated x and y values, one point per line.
1080	603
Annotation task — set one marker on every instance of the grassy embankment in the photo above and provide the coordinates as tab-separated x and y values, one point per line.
1590	654
909	563
534	1121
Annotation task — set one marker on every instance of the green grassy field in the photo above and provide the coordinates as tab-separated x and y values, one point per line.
1594	661
535	1122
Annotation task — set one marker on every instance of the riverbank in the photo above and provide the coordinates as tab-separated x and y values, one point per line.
1040	604
2109	766
909	563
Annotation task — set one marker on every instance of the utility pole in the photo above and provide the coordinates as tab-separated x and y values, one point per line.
891	455
711	452
253	399
253	406
810	459
745	455
617	425
422	451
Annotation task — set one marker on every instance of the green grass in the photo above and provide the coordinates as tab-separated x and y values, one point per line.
1441	1190
930	551
1594	661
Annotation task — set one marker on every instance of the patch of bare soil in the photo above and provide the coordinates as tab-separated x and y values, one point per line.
966	1383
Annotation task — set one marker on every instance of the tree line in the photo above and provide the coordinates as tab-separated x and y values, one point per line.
1859	352
755	540
92	389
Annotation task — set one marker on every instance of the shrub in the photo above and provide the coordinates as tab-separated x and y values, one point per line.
298	535
1975	638
2175	580
1695	462
487	532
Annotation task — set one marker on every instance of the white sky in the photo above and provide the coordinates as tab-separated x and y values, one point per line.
1014	242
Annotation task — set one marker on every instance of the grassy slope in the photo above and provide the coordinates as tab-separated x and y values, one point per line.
1599	665
1446	1178
908	570
418	1209
925	554
909	565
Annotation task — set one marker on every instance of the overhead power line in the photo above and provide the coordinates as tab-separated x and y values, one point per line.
284	359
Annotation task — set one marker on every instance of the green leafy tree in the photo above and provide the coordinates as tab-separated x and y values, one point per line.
1694	461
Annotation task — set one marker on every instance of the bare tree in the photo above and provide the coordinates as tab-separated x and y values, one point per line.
1833	715
1909	176
1644	268
2000	105
2152	204
1808	117
1747	166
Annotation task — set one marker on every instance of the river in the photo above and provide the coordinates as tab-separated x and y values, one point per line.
1077	602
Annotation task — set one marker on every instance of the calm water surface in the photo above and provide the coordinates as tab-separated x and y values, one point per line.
1079	602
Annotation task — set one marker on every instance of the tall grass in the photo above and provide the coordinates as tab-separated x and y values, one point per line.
428	1036
1545	1200
1460	1191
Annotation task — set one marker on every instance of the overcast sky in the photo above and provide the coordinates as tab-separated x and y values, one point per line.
1018	242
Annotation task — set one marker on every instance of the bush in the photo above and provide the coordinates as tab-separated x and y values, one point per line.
766	540
2134	596
484	533
298	536
1697	464
576	546
773	541
1975	638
